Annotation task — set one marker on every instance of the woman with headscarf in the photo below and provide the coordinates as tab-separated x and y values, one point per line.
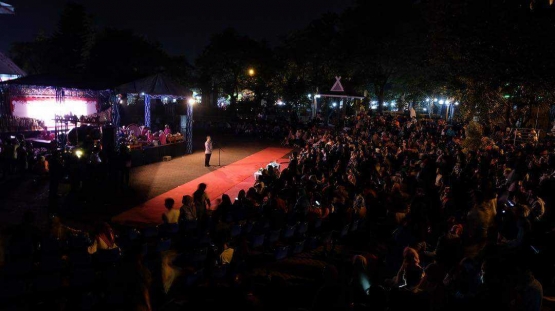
104	239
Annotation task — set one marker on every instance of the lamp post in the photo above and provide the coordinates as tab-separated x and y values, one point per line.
251	72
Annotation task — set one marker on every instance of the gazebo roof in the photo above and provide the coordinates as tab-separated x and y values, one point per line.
61	81
156	85
340	89
8	67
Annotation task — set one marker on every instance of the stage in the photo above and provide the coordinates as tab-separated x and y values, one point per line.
153	154
229	179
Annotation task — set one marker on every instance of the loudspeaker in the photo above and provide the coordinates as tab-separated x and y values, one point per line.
109	139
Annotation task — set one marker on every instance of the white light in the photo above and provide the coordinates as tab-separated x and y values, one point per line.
309	95
392	102
334	104
174	100
427	99
46	109
435	99
441	102
191	101
142	93
385	103
374	102
165	98
280	103
456	103
79	153
425	109
317	96
447	102
121	101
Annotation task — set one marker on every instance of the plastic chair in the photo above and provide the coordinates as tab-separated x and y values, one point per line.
163	245
247	227
150	232
236	230
354	225
273	237
298	247
194	278
302	229
289	232
189	225
257	241
281	252
311	242
219	272
344	231
108	256
317	223
169	229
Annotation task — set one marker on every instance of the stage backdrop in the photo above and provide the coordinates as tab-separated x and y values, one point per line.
46	109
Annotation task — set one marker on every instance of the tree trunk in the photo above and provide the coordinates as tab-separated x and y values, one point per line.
379	90
508	115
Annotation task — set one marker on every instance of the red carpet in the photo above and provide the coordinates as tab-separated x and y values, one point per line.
229	179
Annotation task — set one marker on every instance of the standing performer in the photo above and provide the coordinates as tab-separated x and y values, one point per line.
207	151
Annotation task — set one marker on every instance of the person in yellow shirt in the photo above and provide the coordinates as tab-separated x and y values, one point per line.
171	216
227	254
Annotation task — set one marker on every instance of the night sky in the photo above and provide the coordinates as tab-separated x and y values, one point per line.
182	26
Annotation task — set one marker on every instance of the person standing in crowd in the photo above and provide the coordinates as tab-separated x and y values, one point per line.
207	151
202	202
171	216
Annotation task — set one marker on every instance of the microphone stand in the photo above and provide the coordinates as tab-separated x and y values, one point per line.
219	152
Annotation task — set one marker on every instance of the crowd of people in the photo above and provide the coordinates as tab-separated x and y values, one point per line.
401	212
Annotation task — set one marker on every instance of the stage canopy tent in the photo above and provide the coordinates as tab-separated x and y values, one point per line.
45	96
9	70
159	86
6	8
156	85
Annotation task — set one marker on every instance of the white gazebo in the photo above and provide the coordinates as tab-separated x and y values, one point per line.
336	91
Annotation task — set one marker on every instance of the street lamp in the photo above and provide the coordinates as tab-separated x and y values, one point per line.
251	72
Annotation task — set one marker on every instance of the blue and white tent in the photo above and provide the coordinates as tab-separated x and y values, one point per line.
6	8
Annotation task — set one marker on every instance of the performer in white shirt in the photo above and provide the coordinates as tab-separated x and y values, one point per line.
207	151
